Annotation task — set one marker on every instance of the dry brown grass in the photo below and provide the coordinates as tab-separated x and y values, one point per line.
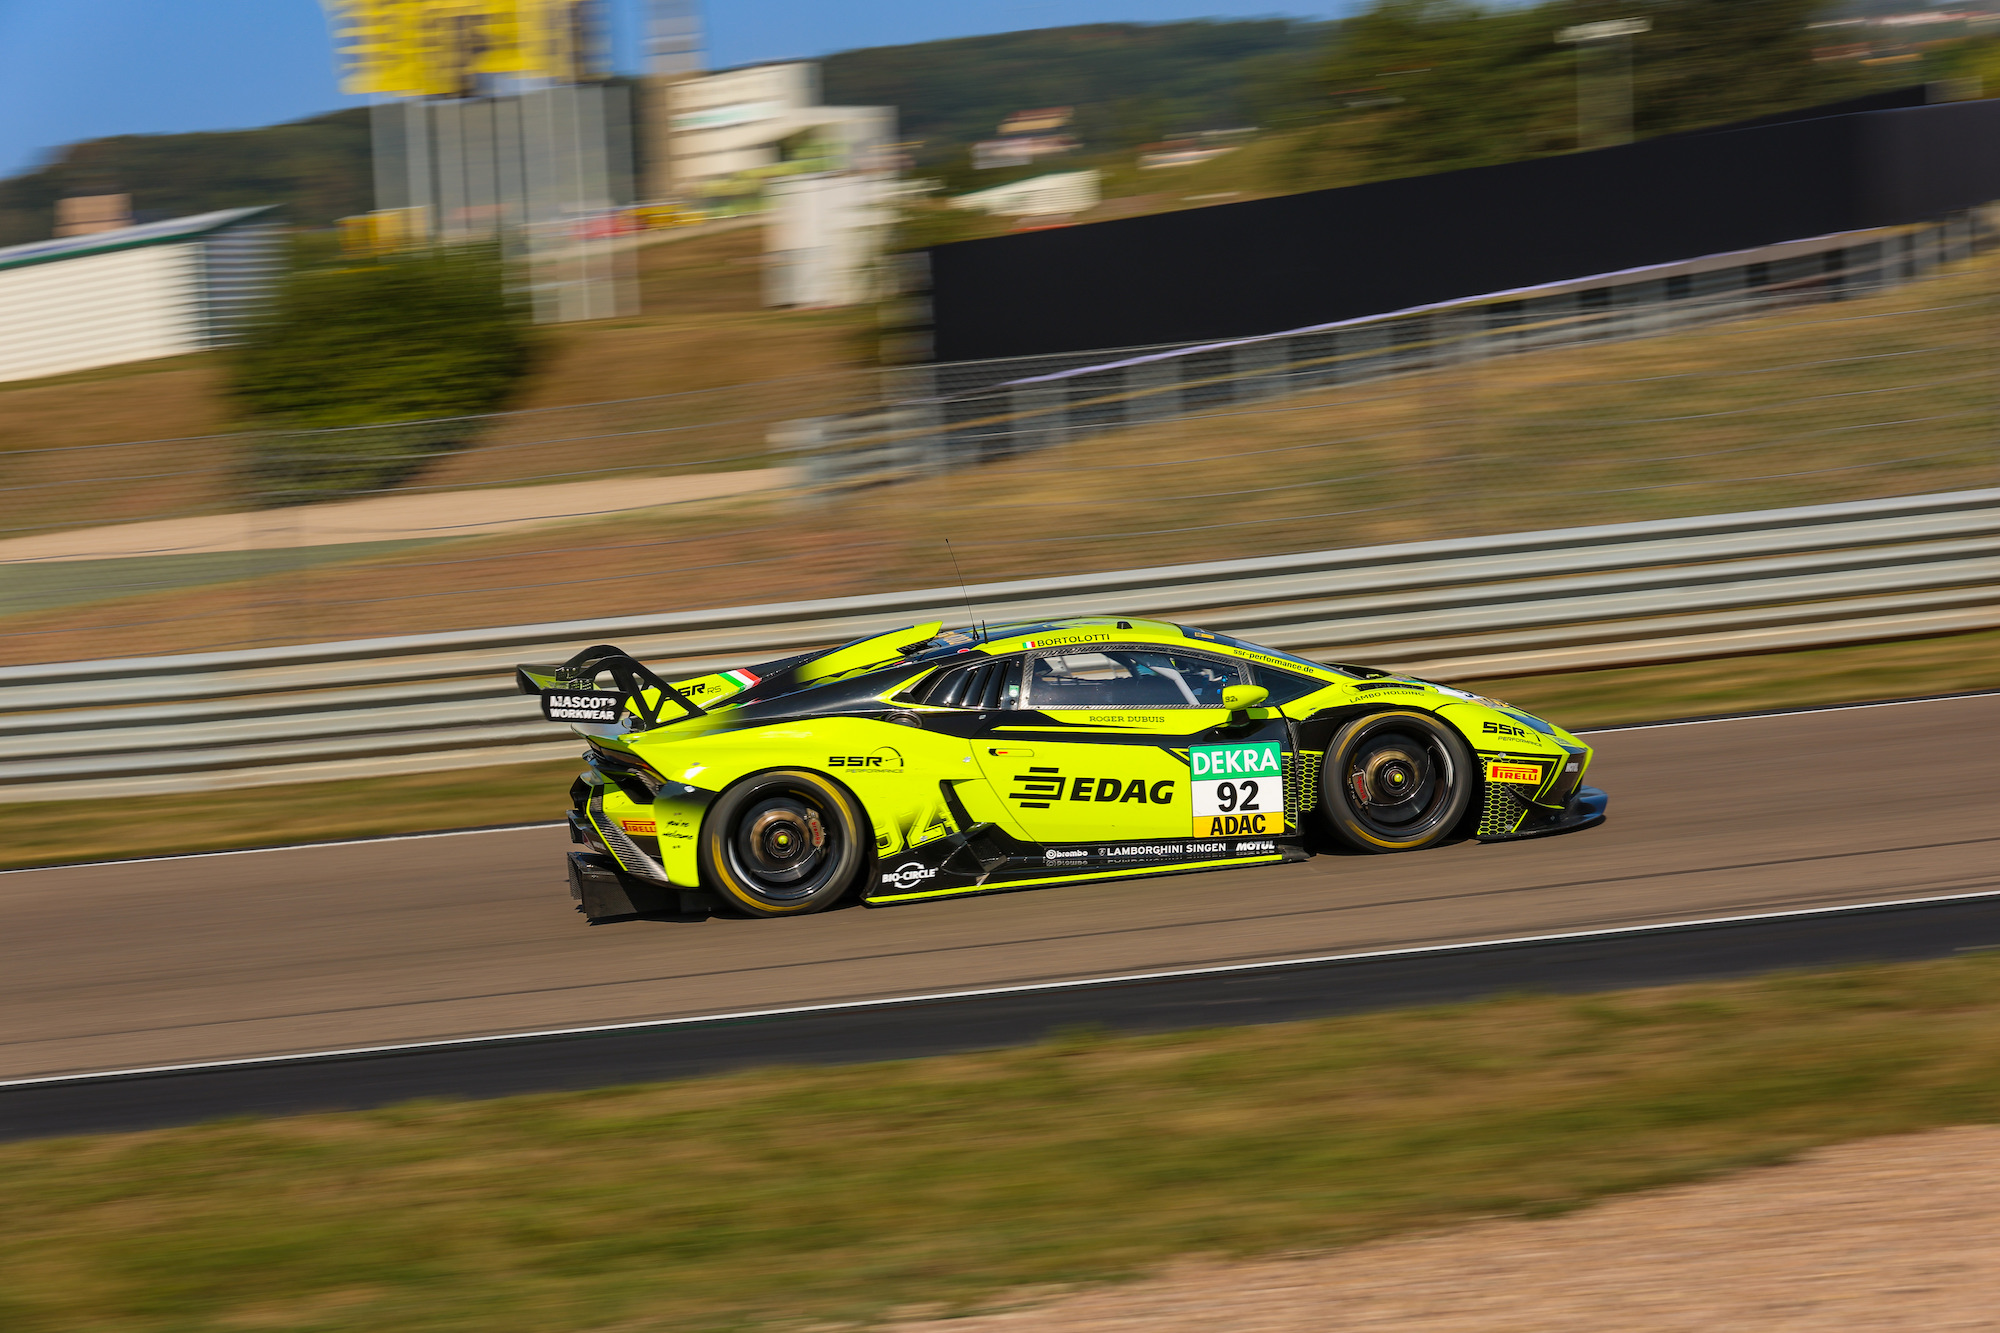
789	1198
175	401
1893	394
174	397
702	356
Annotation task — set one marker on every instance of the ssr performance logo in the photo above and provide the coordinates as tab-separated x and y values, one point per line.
1040	788
908	875
884	759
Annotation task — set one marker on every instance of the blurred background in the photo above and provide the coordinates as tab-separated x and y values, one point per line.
393	317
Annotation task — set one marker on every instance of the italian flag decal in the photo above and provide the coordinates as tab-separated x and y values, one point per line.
742	680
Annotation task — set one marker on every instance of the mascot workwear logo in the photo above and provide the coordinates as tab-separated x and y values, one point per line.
1039	788
582	705
908	875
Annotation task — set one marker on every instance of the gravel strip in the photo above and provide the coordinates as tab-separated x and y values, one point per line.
1897	1233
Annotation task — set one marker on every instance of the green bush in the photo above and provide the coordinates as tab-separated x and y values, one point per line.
356	369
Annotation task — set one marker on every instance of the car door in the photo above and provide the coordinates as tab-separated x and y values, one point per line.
1103	750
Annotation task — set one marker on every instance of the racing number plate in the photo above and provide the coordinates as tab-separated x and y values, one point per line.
1238	790
582	705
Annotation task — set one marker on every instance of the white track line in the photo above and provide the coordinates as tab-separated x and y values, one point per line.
556	823
936	997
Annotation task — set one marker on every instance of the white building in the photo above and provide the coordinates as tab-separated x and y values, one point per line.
134	294
823	238
1063	193
747	123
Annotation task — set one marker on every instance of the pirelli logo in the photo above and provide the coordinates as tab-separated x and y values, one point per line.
644	827
1527	774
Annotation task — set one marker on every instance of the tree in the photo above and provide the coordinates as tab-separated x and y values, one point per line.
1444	84
409	338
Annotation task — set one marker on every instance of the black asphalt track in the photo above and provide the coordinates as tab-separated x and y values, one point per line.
1598	961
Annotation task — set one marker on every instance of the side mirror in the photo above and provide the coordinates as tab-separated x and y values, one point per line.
1240	699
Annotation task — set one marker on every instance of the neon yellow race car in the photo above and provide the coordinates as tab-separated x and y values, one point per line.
931	763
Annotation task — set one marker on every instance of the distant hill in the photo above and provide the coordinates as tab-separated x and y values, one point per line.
1131	83
318	169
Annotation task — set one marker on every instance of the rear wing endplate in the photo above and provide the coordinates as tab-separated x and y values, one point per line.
645	692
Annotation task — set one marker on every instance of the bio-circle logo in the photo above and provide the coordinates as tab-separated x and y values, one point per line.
909	875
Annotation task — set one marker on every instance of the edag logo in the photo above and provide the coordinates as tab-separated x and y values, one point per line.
1038	788
908	875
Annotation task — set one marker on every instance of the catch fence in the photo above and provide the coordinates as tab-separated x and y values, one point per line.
965	413
1568	408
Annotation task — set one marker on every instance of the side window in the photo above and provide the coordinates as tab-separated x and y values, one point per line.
989	685
1283	685
1130	678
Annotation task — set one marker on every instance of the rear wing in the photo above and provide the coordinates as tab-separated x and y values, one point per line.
569	690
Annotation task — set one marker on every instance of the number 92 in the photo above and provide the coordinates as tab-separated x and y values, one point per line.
1235	796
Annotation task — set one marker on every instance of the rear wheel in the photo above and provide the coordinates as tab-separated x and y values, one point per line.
1396	782
782	844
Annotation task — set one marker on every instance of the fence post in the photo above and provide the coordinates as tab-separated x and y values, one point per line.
1638	307
1043	419
1259	368
914	407
1155	386
1362	347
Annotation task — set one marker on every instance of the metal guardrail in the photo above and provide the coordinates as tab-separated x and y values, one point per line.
1480	607
956	414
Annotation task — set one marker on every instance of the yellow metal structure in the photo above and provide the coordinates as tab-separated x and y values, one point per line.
384	231
443	48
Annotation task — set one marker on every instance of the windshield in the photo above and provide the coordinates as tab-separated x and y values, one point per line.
1208	636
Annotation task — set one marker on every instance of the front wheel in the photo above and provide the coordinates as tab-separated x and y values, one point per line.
1396	782
782	844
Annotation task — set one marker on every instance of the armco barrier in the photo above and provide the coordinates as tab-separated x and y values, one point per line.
1512	604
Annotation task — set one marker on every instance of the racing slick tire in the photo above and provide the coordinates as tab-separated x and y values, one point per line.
1396	781
783	843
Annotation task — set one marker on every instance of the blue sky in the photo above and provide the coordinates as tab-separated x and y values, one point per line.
81	69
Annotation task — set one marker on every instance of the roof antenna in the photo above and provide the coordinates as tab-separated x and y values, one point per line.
962	592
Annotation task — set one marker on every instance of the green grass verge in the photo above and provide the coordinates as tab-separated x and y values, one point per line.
804	1195
46	833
